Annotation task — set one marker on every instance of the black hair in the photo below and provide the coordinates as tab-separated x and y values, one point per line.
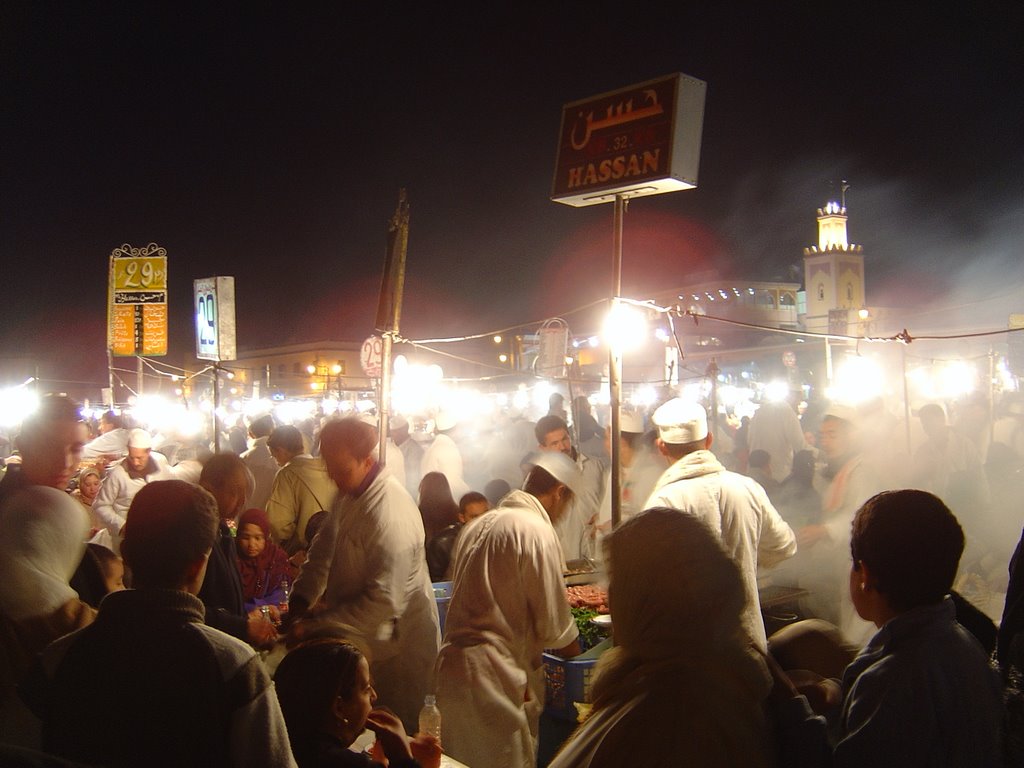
171	524
473	497
496	490
309	678
759	459
548	424
287	437
262	426
912	544
114	420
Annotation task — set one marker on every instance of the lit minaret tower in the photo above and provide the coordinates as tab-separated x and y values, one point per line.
833	270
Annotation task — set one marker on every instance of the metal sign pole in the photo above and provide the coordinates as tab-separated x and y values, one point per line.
615	363
216	407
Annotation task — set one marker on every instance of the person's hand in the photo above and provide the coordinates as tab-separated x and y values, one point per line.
823	694
426	750
260	633
810	535
390	733
273	613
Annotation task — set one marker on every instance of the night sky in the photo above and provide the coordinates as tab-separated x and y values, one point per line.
269	141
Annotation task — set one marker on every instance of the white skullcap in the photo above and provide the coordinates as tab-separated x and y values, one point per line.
631	422
445	420
559	466
681	421
841	412
140	438
398	422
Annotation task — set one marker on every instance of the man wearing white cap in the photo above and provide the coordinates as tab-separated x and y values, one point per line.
508	604
733	506
142	465
443	454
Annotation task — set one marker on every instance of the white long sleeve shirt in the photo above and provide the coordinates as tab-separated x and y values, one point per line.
119	488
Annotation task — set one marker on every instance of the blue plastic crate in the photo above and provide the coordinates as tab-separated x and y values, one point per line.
568	681
443	595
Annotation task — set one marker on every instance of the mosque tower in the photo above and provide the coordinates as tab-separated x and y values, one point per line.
833	273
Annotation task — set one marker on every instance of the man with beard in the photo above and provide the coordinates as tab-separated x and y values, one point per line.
141	466
849	483
577	527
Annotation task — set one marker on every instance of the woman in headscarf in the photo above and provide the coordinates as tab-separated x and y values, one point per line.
89	480
264	567
683	684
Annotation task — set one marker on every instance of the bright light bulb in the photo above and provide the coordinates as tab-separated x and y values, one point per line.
625	327
776	391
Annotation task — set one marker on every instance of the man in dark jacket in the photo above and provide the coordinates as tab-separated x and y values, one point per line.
182	693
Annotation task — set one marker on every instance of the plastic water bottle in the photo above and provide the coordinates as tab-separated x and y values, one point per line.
430	717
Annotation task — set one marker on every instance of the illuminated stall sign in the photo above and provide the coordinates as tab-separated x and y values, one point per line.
137	301
215	318
640	140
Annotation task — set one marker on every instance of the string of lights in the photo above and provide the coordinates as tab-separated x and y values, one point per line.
904	336
498	332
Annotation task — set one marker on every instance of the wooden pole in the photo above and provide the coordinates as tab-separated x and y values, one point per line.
392	290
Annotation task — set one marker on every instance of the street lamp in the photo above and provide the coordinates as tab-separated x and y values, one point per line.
625	327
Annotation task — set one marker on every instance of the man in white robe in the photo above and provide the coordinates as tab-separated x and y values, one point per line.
734	506
508	604
140	467
576	528
443	454
367	563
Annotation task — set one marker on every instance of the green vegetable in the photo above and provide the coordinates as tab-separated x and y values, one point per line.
590	633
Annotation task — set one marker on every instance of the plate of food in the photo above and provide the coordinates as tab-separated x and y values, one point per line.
603	620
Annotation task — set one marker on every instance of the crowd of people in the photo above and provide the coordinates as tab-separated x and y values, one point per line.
280	595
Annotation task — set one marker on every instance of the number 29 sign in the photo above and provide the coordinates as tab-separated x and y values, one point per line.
215	318
137	301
